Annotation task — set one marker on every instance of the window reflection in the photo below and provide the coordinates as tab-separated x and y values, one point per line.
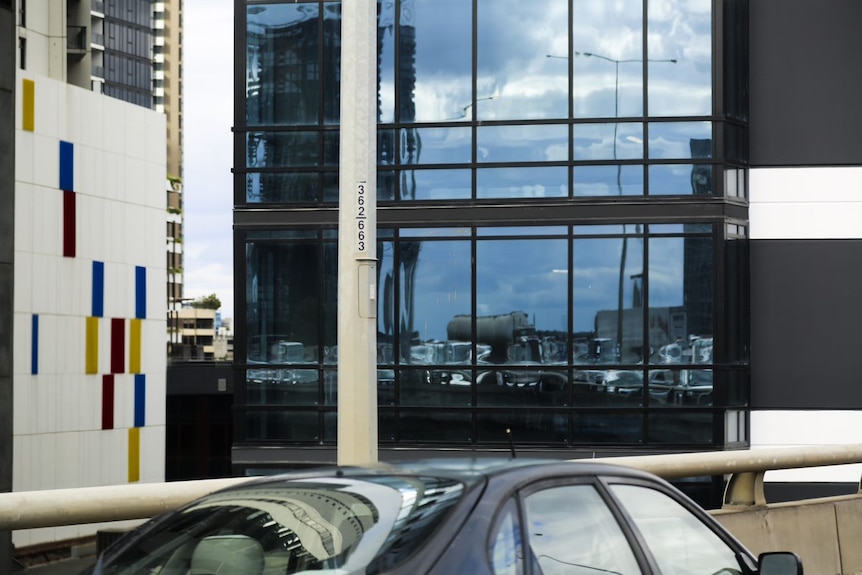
546	182
436	69
608	83
513	40
520	321
680	140
538	143
680	317
269	187
608	141
434	287
608	301
608	181
282	295
282	78
441	184
683	31
681	179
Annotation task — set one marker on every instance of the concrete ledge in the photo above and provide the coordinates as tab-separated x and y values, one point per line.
825	532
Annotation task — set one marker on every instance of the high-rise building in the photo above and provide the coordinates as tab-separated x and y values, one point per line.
87	390
553	228
603	227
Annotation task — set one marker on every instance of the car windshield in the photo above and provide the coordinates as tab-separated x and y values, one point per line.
339	525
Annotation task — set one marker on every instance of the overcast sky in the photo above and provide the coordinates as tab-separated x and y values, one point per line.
208	117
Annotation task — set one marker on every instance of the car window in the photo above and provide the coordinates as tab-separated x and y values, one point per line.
348	524
572	531
678	540
505	543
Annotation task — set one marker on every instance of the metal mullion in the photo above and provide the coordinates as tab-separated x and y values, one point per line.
647	409
474	391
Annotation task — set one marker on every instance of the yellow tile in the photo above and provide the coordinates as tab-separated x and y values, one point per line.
134	454
28	101
135	346
91	361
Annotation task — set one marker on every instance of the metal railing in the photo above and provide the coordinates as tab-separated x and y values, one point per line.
78	506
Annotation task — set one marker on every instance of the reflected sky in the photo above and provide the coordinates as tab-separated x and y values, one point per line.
523	53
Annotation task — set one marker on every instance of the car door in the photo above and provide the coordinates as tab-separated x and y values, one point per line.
622	527
679	539
571	529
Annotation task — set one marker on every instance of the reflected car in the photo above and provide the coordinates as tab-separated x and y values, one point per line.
695	388
625	386
663	385
485	517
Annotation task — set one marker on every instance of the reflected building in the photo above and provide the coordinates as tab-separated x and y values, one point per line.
502	315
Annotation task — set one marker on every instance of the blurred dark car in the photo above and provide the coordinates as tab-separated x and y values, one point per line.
502	517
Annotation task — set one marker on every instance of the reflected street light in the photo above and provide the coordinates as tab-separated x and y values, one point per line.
623	255
470	105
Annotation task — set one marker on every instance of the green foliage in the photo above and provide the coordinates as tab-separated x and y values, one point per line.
207	302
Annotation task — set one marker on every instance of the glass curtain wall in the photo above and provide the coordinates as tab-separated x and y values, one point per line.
586	284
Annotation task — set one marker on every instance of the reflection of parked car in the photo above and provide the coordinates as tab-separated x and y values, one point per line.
663	384
454	516
695	388
625	384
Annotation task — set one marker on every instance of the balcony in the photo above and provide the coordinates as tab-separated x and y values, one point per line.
76	40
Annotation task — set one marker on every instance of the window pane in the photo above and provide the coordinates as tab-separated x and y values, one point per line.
438	184
434	288
282	149
607	38
437	146
425	426
514	39
608	298
515	304
537	143
678	540
386	66
590	428
680	140
608	181
533	427
681	286
549	182
505	549
682	31
282	295
608	142
386	302
681	179
436	79
282	80
282	386
276	188
594	543
282	426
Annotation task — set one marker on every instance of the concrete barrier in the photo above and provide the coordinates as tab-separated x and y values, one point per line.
826	533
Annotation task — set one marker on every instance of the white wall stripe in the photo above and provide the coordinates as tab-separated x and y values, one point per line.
805	203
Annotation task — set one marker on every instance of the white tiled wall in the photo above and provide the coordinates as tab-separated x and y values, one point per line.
119	175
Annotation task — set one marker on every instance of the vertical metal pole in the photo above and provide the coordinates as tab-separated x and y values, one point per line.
357	236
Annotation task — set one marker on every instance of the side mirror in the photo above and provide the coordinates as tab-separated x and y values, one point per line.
779	563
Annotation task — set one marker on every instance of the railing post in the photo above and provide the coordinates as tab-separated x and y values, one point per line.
744	489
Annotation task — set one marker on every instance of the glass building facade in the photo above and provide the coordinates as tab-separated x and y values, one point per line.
562	224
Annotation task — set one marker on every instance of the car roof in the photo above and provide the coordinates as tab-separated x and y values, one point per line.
466	469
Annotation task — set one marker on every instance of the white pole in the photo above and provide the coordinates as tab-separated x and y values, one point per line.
357	236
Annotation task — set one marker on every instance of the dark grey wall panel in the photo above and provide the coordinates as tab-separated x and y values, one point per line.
805	82
8	37
806	324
